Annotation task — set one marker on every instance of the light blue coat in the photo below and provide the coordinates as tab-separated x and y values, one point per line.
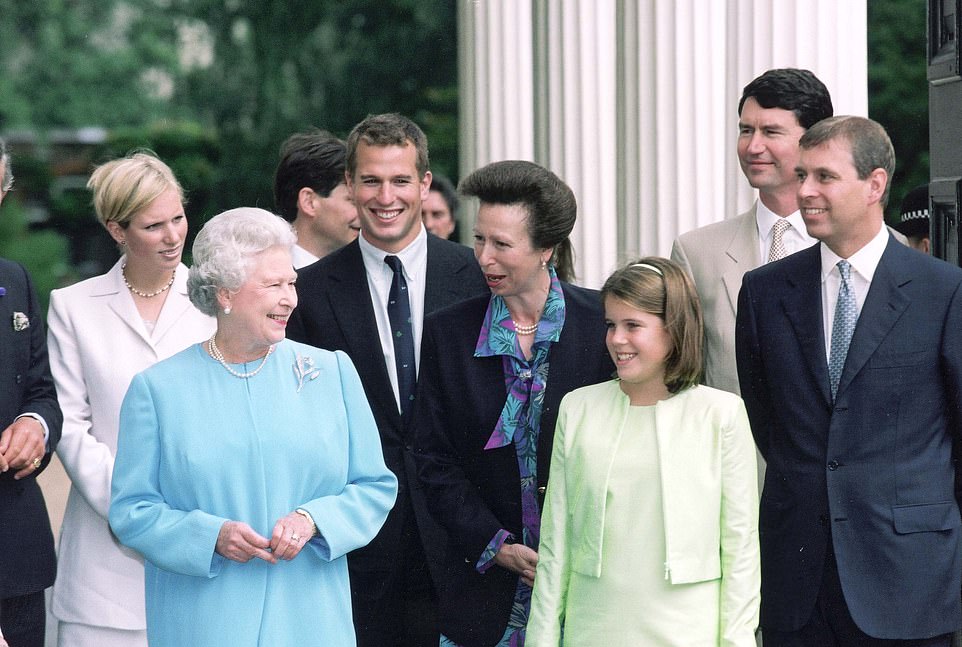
198	447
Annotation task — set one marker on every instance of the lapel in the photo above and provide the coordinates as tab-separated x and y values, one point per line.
743	252
111	286
884	304
802	303
443	277
350	304
176	305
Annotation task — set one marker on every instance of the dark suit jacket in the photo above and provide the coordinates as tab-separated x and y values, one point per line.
872	473
335	312
27	560
473	492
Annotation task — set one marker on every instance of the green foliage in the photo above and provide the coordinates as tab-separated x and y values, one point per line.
898	89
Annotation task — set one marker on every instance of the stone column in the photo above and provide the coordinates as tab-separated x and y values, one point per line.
634	102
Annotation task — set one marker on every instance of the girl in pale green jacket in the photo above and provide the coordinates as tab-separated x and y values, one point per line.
650	527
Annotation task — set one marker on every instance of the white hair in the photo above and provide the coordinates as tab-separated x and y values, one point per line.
225	248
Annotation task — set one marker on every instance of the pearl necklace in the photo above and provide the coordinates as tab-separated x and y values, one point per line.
146	295
219	356
524	331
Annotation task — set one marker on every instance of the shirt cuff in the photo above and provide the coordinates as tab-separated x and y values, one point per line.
487	557
46	430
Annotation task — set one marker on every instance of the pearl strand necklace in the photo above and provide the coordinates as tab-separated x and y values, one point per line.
219	356
146	295
525	330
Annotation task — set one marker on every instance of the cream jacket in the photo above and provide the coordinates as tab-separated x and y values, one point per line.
707	464
98	342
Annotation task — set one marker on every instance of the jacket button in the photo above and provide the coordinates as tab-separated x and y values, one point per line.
541	490
19	379
833	465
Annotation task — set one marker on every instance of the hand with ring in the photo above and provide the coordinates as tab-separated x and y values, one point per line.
291	534
22	447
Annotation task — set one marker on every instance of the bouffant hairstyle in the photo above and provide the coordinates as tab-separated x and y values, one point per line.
226	248
548	201
660	287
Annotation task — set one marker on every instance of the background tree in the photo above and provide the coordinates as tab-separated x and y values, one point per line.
215	86
898	90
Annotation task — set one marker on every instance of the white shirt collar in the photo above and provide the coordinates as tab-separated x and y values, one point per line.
766	219
794	239
413	256
865	261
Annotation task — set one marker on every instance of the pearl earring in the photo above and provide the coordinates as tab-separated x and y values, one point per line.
227	310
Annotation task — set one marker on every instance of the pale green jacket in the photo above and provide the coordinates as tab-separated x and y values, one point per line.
710	491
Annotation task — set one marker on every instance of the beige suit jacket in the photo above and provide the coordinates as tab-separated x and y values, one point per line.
716	257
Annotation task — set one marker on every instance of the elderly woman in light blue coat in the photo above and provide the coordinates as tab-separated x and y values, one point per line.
249	465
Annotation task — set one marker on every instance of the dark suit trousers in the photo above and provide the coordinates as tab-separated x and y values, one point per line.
831	624
397	607
23	620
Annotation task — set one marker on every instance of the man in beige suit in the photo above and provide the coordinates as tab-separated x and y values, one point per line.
774	111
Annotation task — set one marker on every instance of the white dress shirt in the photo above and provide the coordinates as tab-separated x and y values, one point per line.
864	262
414	258
301	257
795	239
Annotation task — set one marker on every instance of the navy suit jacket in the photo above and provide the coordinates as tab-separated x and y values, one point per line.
871	473
27	560
476	492
335	312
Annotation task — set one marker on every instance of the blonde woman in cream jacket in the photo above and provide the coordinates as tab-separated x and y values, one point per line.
650	527
103	331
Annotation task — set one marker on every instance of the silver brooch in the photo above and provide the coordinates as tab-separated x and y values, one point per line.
20	321
305	371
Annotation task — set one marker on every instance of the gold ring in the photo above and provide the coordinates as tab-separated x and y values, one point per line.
36	463
295	536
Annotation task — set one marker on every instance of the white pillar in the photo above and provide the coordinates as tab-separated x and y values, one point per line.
634	102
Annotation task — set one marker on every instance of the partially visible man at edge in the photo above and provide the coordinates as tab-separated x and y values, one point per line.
30	425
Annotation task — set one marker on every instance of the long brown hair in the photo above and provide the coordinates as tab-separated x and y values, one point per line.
660	287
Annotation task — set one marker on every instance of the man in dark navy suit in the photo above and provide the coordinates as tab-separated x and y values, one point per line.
344	305
30	422
859	525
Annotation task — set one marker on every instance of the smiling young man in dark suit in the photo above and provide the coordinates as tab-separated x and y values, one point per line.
30	422
343	305
859	526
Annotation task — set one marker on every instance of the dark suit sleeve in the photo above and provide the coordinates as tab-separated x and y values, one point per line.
951	360
295	323
454	500
751	378
40	396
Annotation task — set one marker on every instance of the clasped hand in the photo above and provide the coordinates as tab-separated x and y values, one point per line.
519	559
239	542
20	444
